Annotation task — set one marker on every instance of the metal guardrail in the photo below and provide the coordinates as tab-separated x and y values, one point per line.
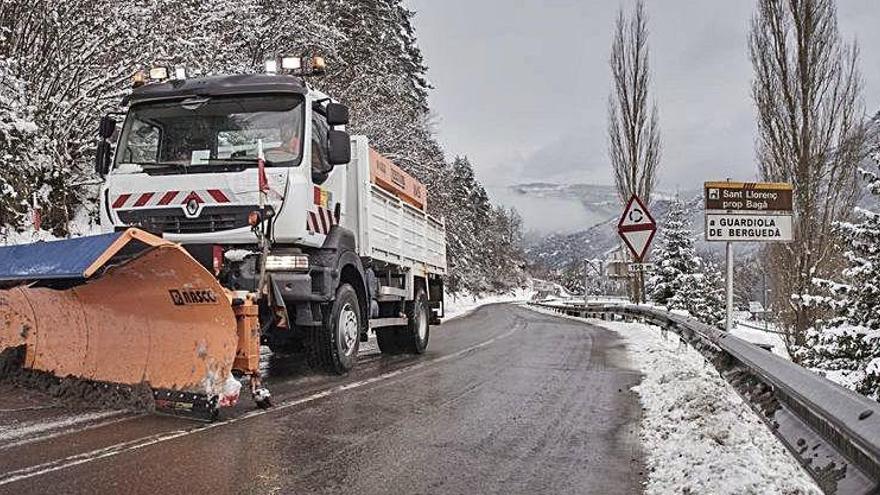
756	327
833	431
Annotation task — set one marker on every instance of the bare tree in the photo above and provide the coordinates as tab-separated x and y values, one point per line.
811	133
633	127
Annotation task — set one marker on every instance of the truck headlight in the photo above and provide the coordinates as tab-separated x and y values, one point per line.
287	262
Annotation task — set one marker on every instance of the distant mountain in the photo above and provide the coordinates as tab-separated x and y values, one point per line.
557	250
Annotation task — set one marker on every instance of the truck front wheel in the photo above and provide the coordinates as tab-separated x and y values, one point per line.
334	345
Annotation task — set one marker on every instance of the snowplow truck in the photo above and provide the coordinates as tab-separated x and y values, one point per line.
238	213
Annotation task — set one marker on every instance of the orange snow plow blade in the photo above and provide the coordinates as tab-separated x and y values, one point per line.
125	308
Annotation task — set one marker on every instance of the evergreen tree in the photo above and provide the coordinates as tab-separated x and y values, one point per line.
682	279
701	294
674	256
464	232
850	343
503	244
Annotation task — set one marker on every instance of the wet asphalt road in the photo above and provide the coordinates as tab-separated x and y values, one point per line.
506	400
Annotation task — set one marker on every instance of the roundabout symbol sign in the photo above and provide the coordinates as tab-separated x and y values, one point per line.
637	228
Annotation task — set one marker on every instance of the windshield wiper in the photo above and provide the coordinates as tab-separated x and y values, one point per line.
182	165
238	159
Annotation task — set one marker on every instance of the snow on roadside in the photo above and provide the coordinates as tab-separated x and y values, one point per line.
748	332
462	304
697	433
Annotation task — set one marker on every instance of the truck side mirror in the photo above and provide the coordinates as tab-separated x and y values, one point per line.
337	114
102	154
106	127
102	158
340	147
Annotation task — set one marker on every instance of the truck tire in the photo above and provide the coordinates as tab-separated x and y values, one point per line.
413	338
334	345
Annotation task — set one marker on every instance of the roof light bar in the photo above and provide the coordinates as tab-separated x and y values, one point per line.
138	79
159	73
319	65
298	66
291	63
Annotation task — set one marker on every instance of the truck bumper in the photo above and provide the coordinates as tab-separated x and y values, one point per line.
303	294
313	286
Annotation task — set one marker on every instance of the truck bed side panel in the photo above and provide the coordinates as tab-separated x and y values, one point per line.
389	229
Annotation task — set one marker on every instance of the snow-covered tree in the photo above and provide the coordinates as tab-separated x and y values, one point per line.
465	231
18	134
674	255
849	344
681	279
503	247
701	294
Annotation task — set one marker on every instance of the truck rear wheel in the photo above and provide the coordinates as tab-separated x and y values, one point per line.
334	345
413	338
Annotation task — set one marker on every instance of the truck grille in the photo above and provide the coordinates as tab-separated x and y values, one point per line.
174	221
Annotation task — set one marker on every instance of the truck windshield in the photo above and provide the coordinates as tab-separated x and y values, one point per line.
200	134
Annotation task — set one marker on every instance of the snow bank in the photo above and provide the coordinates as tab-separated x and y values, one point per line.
698	434
462	304
753	332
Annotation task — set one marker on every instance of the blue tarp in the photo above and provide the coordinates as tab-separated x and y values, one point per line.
67	258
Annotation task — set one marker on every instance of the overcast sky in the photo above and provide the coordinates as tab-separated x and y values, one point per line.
521	86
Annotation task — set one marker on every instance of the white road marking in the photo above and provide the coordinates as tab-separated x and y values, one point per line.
133	445
17	431
56	434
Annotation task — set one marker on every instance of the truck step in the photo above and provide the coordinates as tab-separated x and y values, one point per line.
389	293
387	322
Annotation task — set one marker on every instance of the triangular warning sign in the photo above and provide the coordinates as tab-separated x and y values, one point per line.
636	227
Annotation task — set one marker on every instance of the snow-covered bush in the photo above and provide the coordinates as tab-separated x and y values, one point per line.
17	135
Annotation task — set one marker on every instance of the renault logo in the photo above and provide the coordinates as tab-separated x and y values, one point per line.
192	207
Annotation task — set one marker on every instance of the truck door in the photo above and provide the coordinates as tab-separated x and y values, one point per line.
328	181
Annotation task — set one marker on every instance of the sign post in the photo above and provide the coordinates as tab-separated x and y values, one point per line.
728	282
637	228
747	212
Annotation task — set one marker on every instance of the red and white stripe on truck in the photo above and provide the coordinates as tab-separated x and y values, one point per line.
325	213
127	201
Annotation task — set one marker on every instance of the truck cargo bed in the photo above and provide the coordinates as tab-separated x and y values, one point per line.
388	228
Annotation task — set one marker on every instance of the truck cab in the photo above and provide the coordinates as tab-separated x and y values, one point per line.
187	159
255	176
